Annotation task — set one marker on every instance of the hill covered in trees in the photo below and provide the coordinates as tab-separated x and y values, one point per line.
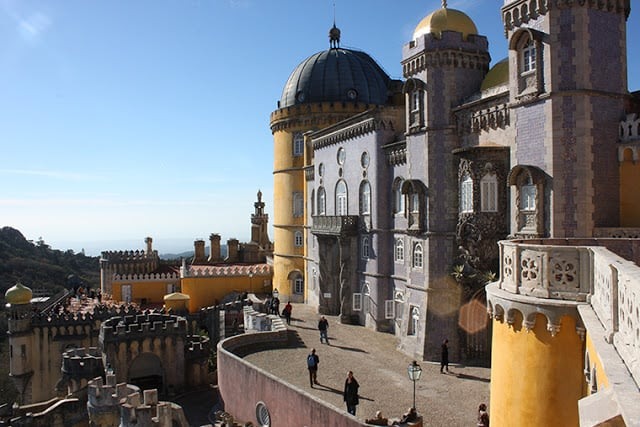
40	267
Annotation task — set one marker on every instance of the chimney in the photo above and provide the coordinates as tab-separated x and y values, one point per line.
198	257
232	250
149	242
214	253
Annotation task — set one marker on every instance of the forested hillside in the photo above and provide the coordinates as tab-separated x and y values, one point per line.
40	267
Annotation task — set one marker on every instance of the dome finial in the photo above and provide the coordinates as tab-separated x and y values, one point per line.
334	32
444	4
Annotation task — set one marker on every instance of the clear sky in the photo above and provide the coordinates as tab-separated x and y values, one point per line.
121	119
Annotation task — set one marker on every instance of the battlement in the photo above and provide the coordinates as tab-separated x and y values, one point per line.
70	319
81	363
106	396
226	270
146	277
128	256
197	347
144	325
148	411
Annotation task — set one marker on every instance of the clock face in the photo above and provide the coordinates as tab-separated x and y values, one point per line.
341	156
364	160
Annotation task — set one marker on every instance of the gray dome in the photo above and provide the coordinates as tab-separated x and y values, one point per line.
336	75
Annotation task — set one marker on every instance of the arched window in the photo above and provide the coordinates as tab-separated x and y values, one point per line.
366	298
313	202
414	322
366	247
466	193
398	197
298	238
365	198
528	196
399	251
417	255
341	198
322	201
414	205
489	193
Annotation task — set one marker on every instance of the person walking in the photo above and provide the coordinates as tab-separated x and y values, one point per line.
286	312
444	356
312	364
350	394
323	327
483	416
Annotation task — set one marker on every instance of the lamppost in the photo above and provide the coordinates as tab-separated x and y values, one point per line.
414	370
250	284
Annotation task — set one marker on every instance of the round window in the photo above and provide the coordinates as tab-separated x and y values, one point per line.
341	156
364	160
262	415
352	94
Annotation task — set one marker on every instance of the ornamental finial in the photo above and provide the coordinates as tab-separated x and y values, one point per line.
444	3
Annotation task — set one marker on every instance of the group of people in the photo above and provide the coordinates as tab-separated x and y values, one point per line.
351	386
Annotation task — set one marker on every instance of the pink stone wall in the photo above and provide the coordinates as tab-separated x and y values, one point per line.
242	386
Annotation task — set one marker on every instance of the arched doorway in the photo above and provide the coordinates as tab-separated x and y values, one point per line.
146	372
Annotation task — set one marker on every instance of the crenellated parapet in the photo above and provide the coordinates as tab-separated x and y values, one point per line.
116	257
519	12
142	326
233	270
150	277
103	400
82	363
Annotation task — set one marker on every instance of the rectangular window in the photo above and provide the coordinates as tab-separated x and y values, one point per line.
529	57
298	204
357	302
528	198
466	195
389	309
489	195
415	203
298	286
298	239
298	144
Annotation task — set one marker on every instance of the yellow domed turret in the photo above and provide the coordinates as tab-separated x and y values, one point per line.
19	294
445	19
497	75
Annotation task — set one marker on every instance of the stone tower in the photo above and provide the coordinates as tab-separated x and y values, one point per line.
20	340
325	88
444	64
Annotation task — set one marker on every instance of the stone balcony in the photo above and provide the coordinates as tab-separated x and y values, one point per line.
335	225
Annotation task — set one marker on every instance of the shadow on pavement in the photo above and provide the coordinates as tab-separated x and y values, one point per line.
471	377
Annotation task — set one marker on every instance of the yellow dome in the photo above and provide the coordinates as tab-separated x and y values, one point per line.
497	75
19	294
445	19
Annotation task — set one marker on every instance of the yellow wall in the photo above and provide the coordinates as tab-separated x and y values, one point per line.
594	360
153	291
206	291
629	202
536	379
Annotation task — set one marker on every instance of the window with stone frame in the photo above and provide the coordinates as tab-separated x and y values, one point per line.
527	45
298	285
298	239
415	102
399	251
357	302
298	204
416	194
366	247
417	255
365	198
466	193
322	201
489	192
366	297
341	199
298	144
414	91
529	201
389	309
398	197
528	194
528	56
414	320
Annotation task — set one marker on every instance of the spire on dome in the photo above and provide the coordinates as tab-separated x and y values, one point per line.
444	4
334	32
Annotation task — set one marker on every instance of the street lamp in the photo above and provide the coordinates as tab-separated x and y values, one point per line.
250	284
414	370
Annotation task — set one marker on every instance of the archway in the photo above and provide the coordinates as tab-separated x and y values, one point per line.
146	372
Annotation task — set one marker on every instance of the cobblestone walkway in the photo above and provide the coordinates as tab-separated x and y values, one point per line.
444	399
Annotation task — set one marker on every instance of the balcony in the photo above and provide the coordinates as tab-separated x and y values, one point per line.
335	225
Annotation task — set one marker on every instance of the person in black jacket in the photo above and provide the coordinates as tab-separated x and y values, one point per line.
351	393
444	360
312	364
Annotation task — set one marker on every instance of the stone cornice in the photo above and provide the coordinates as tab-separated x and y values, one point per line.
444	58
355	130
502	305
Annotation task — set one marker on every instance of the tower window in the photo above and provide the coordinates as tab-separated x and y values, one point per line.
417	255
398	197
298	144
528	57
298	204
489	193
298	239
466	194
399	251
366	247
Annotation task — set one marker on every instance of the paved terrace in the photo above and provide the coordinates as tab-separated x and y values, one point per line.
381	371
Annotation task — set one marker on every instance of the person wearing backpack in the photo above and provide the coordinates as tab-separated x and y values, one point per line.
312	365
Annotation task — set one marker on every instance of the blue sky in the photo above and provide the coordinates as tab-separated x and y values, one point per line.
122	119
